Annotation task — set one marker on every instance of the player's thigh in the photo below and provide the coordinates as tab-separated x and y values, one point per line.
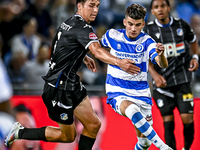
85	113
165	103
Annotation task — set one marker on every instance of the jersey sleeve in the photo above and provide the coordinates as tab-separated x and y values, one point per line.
151	49
105	39
86	36
189	34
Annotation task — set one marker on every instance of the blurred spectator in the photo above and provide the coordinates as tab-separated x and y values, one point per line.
65	11
195	25
185	10
35	69
10	23
16	67
42	15
97	105
27	41
196	4
6	114
23	115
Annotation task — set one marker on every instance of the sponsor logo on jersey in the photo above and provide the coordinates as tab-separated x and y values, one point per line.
179	32
139	48
160	103
180	47
129	55
63	116
174	49
87	26
65	26
188	97
92	36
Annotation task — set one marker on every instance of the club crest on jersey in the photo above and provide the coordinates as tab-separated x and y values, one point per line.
63	116
179	32
92	36
139	48
118	46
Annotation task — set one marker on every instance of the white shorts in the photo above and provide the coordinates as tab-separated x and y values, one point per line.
145	108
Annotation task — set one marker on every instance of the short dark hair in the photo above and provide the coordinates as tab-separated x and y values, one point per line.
136	11
81	1
151	4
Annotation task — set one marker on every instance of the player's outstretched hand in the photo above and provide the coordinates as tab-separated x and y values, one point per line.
128	66
89	62
160	48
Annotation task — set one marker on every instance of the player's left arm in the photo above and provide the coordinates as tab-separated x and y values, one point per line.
194	63
190	37
160	58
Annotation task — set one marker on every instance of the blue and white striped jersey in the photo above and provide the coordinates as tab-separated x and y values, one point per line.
140	49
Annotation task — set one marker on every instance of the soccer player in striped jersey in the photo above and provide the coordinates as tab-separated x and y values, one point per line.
173	84
129	95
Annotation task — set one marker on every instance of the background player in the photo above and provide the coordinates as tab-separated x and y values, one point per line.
173	84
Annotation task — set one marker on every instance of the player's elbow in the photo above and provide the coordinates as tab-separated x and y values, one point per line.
164	65
97	54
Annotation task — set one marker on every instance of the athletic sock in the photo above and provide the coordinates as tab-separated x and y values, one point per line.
169	134
142	144
32	133
85	143
188	135
133	113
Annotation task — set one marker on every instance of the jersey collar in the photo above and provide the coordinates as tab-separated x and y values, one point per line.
164	25
81	18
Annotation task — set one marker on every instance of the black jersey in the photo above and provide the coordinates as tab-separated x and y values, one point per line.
175	37
69	47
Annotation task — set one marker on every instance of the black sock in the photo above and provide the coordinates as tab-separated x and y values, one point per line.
32	133
188	135
85	143
169	134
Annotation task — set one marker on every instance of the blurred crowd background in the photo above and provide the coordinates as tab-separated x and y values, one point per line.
28	26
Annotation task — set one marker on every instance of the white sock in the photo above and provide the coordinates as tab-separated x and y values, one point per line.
142	144
134	114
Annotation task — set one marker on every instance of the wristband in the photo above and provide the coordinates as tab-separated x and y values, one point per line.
196	57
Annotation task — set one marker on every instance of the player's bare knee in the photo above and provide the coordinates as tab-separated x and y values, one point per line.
95	126
68	138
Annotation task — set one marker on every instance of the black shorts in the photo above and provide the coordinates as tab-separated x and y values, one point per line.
183	99
61	103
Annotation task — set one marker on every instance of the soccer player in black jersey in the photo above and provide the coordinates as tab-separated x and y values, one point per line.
64	95
173	84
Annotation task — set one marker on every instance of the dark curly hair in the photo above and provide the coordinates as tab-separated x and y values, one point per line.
136	11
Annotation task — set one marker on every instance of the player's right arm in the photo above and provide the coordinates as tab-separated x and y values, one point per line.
103	55
159	80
